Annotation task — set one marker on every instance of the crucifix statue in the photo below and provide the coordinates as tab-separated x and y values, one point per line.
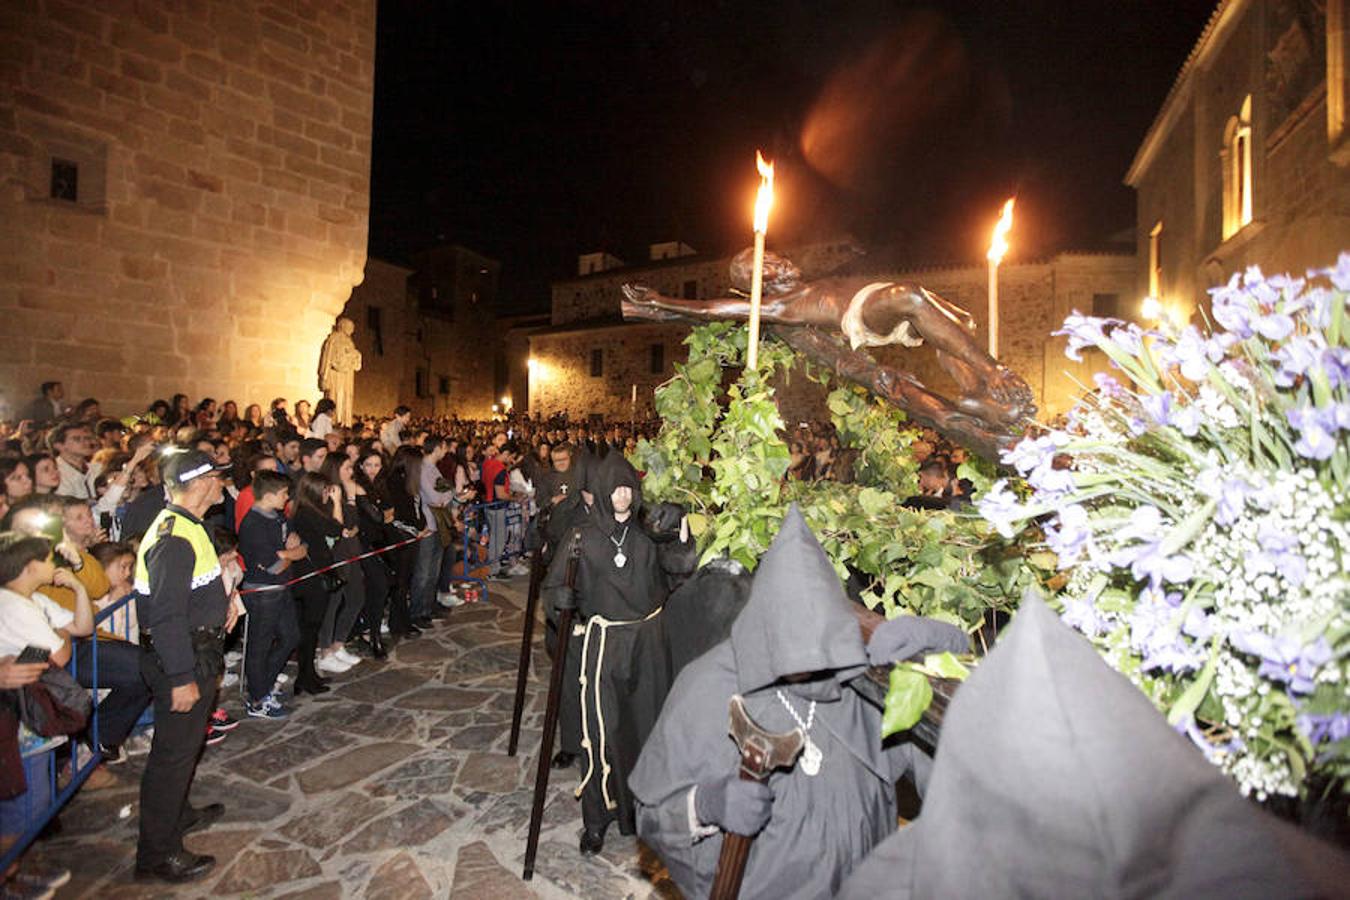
339	361
829	320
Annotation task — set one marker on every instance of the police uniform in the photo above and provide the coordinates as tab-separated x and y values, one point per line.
181	605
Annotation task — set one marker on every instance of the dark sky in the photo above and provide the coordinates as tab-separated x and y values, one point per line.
533	132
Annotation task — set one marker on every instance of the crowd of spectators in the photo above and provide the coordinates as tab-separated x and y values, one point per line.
80	490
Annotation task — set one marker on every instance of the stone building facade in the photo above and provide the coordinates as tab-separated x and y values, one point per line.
428	336
1246	162
590	362
184	193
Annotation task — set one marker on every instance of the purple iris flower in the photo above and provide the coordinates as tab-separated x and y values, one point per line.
1029	453
1193	353
1083	332
1279	552
1000	508
1336	363
1108	386
1232	308
1082	616
1284	659
1231	494
1339	273
1297	358
1049	481
1317	431
1274	326
1153	635
1318	728
1069	535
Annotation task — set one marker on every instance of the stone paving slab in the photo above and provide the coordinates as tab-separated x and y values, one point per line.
394	786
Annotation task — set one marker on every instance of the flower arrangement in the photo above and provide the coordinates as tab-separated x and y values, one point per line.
1198	508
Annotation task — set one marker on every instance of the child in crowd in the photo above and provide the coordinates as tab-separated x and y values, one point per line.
268	548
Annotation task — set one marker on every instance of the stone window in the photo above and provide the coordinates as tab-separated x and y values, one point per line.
1106	306
423	385
658	359
1237	170
691	289
375	323
70	170
597	363
444	385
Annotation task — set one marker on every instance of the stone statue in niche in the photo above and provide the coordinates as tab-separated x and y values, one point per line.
994	403
1295	56
338	364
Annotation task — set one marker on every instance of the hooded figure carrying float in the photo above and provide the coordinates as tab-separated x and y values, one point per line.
622	583
791	652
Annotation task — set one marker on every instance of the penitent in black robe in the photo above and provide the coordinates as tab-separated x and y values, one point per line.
625	669
797	620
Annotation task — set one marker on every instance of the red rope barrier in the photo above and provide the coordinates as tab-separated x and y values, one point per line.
344	562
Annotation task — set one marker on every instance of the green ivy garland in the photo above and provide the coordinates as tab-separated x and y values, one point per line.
721	453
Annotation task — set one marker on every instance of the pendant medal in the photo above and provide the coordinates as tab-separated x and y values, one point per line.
620	559
811	758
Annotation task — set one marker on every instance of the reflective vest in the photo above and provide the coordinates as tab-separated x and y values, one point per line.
170	522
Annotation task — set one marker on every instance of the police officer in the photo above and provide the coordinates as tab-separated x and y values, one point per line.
182	608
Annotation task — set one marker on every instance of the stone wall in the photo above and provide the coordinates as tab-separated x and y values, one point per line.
1034	299
1277	52
220	218
386	320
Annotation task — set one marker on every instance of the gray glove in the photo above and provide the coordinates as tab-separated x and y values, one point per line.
906	637
741	807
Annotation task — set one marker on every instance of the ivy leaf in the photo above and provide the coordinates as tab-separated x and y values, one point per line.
945	665
907	698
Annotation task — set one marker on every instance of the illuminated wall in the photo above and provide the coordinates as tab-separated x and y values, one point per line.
185	194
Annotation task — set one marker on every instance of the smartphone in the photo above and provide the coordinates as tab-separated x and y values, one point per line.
31	654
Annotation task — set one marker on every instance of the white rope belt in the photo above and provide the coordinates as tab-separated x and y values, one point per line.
601	624
852	327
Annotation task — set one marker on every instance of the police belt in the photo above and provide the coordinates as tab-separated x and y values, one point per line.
200	635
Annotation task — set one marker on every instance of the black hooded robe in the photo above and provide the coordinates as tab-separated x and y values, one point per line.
1056	777
797	620
625	670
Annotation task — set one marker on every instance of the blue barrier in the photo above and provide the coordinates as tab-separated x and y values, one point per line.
475	517
43	754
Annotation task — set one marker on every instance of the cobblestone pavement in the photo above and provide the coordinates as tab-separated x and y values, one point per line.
394	786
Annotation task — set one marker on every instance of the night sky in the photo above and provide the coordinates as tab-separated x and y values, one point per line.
534	132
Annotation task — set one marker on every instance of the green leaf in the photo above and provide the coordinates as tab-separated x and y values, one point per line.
945	665
1190	698
907	698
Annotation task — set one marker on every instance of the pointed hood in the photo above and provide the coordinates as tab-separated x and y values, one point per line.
798	618
1059	772
606	474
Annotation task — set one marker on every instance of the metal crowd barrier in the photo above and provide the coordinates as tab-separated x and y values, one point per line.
40	760
476	551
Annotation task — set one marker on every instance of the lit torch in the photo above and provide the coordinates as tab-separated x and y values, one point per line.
998	245
763	200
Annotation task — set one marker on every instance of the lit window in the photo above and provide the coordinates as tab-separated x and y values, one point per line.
1237	171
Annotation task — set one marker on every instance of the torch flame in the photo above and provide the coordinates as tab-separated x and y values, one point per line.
764	199
998	243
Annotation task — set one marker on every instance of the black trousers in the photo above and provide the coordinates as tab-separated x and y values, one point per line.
272	634
377	592
312	601
178	742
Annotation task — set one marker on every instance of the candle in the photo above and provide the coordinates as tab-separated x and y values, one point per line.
634	400
998	245
763	200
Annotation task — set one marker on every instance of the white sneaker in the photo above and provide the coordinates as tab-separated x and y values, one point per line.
518	569
330	664
346	656
449	599
230	680
384	628
139	744
281	679
233	658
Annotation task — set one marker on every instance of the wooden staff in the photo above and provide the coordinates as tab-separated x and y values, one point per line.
761	753
566	607
526	641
